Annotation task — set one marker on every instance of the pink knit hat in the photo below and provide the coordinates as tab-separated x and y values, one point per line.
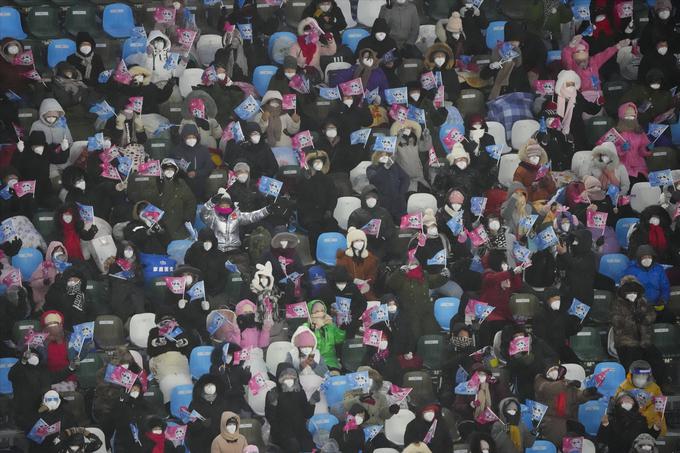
304	339
241	307
456	197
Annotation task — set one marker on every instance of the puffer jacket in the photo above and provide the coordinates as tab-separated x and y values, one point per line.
226	442
227	229
633	157
632	321
525	174
590	76
501	434
327	336
613	172
645	400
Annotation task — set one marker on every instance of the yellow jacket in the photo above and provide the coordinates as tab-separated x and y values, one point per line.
645	401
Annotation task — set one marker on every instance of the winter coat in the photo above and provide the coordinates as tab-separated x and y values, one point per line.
360	268
660	101
89	66
579	267
63	415
74	306
209	129
175	198
246	195
392	184
377	79
127	294
158	344
227	229
234	377
590	76
343	156
288	127
577	127
555	326
226	99
32	166
295	356
70	91
666	63
485	166
55	132
604	172
403	21
632	322
414	294
210	263
316	197
408	152
201	433
361	216
370	41
259	157
198	158
633	151
328	337
350	440
524	369
155	58
644	397
467	181
321	49
357	306
256	336
331	21
655	281
624	426
417	429
496	296
118	94
350	119
641	234
11	75
128	411
288	410
525	174
501	435
447	70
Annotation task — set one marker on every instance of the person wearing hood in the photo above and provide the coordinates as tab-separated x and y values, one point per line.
263	290
594	198
571	105
287	409
577	262
208	400
623	424
152	437
652	276
509	432
56	346
654	229
662	22
480	160
67	295
244	190
131	409
379	40
328	15
126	281
403	21
644	443
343	155
328	335
53	409
286	264
281	79
52	122
460	344
635	147
88	63
500	238
429	423
563	398
641	383
15	305
489	392
157	50
78	440
367	68
659	59
229	440
33	161
254	151
412	143
341	284
371	209
454	206
361	265
68	87
254	334
141	86
84	190
11	75
125	128
226	366
310	45
223	92
604	164
527	356
450	31
175	198
304	356
190	313
390	181
317	197
651	94
439	58
459	174
539	185
30	379
277	125
351	114
236	52
205	256
148	236
632	320
481	442
350	434
515	207
191	151
560	148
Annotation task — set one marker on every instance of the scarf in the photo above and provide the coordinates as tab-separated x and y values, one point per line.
657	238
274	128
561	404
364	73
498	240
603	28
158	442
593	195
416	274
235	54
308	49
86	61
72	241
515	437
565	109
78	296
484	398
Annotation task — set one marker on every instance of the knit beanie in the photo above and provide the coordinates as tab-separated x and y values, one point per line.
591	182
428	217
456	197
304	339
534	149
455	23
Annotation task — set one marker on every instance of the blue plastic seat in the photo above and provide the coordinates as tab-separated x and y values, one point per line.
525	415
177	249
352	36
133	46
261	77
279	45
118	20
613	266
542	446
335	388
5	384
612	379
198	222
327	246
622	227
10	24
180	397
495	32
321	422
590	415
156	266
58	50
27	261
445	308
199	361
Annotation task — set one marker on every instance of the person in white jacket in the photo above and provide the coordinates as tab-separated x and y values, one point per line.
604	164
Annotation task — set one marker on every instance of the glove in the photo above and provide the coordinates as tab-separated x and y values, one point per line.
64	145
93	229
575	384
600	241
445	272
20	146
139	124
120	121
205	305
394	409
182	303
74	364
494	65
11	248
315	397
202	123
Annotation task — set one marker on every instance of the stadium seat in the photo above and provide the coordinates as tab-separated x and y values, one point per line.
251	429
674	303
177	249
662	158
76	404
140	325
523	306
206	47
199	361
344	208
445	308
554	55
426	36
118	21
21	329
575	372
10	24
431	349
293	12
497	131
596	127
188	80
42	22
623	226
541	446
600	310
612	92
261	77
587	345
612	379
590	415
352	36
90	364
180	397
276	353
133	45
613	266
279	45
353	352
419	202
327	246
26	117
471	102
335	389
98	296
506	169
578	159
368	11
5	365
109	50
409	70
666	340
108	332
27	261
321	423
395	426
257	402
643	195
81	17
58	50
522	131
332	69
495	32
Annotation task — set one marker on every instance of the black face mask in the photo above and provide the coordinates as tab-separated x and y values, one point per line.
246	321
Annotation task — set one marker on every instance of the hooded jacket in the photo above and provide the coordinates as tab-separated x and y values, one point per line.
288	410
632	322
501	435
391	183
633	152
363	215
448	69
33	166
376	78
201	433
316	193
197	156
288	127
644	397
526	172
375	403
409	150
403	20
155	58
641	93
256	336
69	91
653	278
118	94
624	426
226	229
328	336
644	233
371	42
497	287
259	157
89	66
644	443
233	376
45	274
209	127
71	302
210	263
321	49
418	428
363	267
590	76
331	21
54	133
295	356
226	442
11	77
611	172
579	267
350	439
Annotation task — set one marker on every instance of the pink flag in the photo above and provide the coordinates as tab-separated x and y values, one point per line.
572	444
372	228
430	432
478	236
399	393
414	221
438	101
596	219
257	383
601	376
432	158
197	108
24	188
398	112
302	140
32	75
372	337
137	103
164	15
613	136
519	344
624	10
35	339
487	416
176	434
352	88
231	178
428	81
554	123
289	102
109	171
470	307
121	74
545	87
24	58
149	168
299	84
297	311
176	284
452	137
185	38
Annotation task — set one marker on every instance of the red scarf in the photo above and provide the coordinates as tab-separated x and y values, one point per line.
308	50
657	239
603	28
158	441
561	404
416	274
71	240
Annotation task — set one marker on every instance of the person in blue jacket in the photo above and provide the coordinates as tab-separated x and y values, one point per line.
652	276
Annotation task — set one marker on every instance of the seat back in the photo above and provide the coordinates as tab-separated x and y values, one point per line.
108	332
613	266
258	402
601	308
554	55
522	131
353	352
59	50
76	405
587	345
251	429
327	246
666	340
357	176
662	158
470	102
279	45
596	127
332	69
216	179
523	306
81	17
21	329
497	131
395	426
118	21
419	202
409	70
445	308
180	397
140	326
674	303
109	50
507	167
612	92
590	415
541	446
368	11
10	24
199	361
335	389
579	158
102	437
133	45
304	251
431	349
206	47
612	379
6	364
344	208
623	226
188	80
575	372
27	261
43	21
90	365
261	77
495	32
643	195
352	36
276	353
140	186
320	425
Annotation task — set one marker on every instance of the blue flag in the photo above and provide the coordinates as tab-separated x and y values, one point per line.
371	96
246	31
329	93
520	253
86	212
231	267
171	62
385	143
124	164
162	128
477	205
455	224
494	151
96	142
613	193
396	96
528	221
660	178
536	411
439	259
654	131
215	322
465	388
197	291
579	309
104	76
360	136
546	238
246	109
371	431
5	194
103	110
12	96
461	375
416	114
269	186
135	433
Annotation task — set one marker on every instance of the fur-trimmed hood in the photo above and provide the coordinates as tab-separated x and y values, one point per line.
523	152
399	125
606	149
428	61
140	70
318	154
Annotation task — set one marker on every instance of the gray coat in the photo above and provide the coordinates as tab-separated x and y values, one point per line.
501	434
403	21
54	134
227	230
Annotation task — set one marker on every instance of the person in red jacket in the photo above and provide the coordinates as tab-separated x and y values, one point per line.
56	346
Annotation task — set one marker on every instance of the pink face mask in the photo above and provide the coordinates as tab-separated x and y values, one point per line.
223	211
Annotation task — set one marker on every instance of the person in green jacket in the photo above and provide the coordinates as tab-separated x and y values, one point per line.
327	334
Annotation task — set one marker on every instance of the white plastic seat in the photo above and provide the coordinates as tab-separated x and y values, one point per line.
357	176
276	353
578	159
385	450
346	9
522	131
311	383
140	325
206	47
506	170
368	11
257	402
335	66
256	361
426	36
643	195
344	207
419	202
189	79
395	426
575	372
497	131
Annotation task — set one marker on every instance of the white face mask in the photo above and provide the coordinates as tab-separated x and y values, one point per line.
600	18
231	428
662	50
383	159
33	360
639	381
533	160
188	279
406	132
80	185
68	218
654	86
157	431
317	165
306	350
565	227
511	411
428	416
348	102
341	286
207	246
159	45
504	267
605	159
13	50
391	308
107	144
51	119
665	14
455	35
626	405
367	62
39	150
191	142
325	8
358	419
288	382
415	96
552	375
646	262
128	253
476	134
169	173
134	393
456	206
629	117
371	202
494	225
52	400
462	164
85	50
221	75
439	61
12	182
482	378
555	305
432	231
331	133
654	221
632	297
255	139
242	177
380	36
574	242
383	345
358	245
139	78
